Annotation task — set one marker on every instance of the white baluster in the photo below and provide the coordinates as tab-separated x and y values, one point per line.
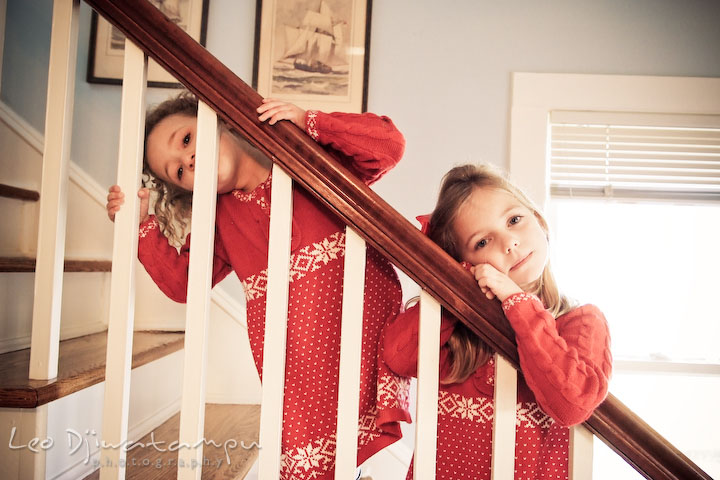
427	387
45	342
505	401
271	413
581	453
350	355
122	285
192	413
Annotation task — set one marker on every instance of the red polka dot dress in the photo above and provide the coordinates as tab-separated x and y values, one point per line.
566	366
368	145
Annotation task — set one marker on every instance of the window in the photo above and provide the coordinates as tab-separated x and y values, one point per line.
633	200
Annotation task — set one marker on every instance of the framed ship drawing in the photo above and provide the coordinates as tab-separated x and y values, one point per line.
313	53
107	43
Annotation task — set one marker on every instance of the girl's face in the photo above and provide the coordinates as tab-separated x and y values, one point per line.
492	226
171	155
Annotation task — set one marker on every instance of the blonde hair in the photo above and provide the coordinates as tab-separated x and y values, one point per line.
467	350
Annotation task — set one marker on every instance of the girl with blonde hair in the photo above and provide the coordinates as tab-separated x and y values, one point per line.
487	223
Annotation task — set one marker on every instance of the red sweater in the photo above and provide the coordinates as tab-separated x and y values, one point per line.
369	145
566	366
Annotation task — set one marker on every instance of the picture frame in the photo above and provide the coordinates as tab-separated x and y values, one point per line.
313	53
107	43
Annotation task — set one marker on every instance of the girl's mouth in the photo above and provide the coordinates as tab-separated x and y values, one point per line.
521	262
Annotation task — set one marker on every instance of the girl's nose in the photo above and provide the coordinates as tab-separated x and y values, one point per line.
511	245
191	162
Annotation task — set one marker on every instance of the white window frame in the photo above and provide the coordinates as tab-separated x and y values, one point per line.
536	95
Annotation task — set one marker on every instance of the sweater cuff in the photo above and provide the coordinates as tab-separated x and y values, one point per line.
311	124
148	225
517	299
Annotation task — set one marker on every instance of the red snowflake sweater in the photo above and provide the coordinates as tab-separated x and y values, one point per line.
369	145
566	366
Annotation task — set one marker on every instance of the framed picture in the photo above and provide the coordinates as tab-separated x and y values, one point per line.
107	43
313	53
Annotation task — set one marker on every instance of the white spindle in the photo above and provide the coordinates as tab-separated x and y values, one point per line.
122	284
505	402
192	413
273	375
45	341
350	355
581	453
427	387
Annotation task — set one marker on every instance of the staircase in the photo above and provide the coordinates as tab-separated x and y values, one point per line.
69	405
375	221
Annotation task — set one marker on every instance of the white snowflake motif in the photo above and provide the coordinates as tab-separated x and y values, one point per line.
307	457
328	249
394	391
309	259
468	409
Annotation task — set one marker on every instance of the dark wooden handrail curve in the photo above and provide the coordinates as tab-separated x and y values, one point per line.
378	223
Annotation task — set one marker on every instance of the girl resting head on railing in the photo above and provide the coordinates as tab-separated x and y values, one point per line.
486	222
368	145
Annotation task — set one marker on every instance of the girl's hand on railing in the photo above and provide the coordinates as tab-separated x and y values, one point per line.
275	110
116	198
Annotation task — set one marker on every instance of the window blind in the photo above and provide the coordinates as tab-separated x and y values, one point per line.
635	155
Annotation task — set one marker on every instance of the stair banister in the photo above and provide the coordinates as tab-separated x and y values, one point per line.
350	355
197	318
279	246
121	318
374	220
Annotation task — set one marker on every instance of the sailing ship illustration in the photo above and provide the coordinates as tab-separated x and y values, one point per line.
317	45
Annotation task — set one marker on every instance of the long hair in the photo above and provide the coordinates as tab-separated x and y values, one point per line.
172	204
467	350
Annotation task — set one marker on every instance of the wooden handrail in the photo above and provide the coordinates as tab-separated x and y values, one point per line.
377	222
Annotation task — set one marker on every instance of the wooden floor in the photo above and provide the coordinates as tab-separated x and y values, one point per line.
81	364
225	425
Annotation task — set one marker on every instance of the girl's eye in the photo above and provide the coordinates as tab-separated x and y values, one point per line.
186	139
180	172
515	219
480	244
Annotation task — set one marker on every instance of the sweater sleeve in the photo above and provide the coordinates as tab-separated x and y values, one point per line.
368	144
566	362
400	351
168	267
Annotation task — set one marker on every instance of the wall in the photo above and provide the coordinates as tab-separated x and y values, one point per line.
442	73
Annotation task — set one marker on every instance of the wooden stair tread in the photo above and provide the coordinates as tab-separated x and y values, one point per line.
26	264
18	193
223	425
81	365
